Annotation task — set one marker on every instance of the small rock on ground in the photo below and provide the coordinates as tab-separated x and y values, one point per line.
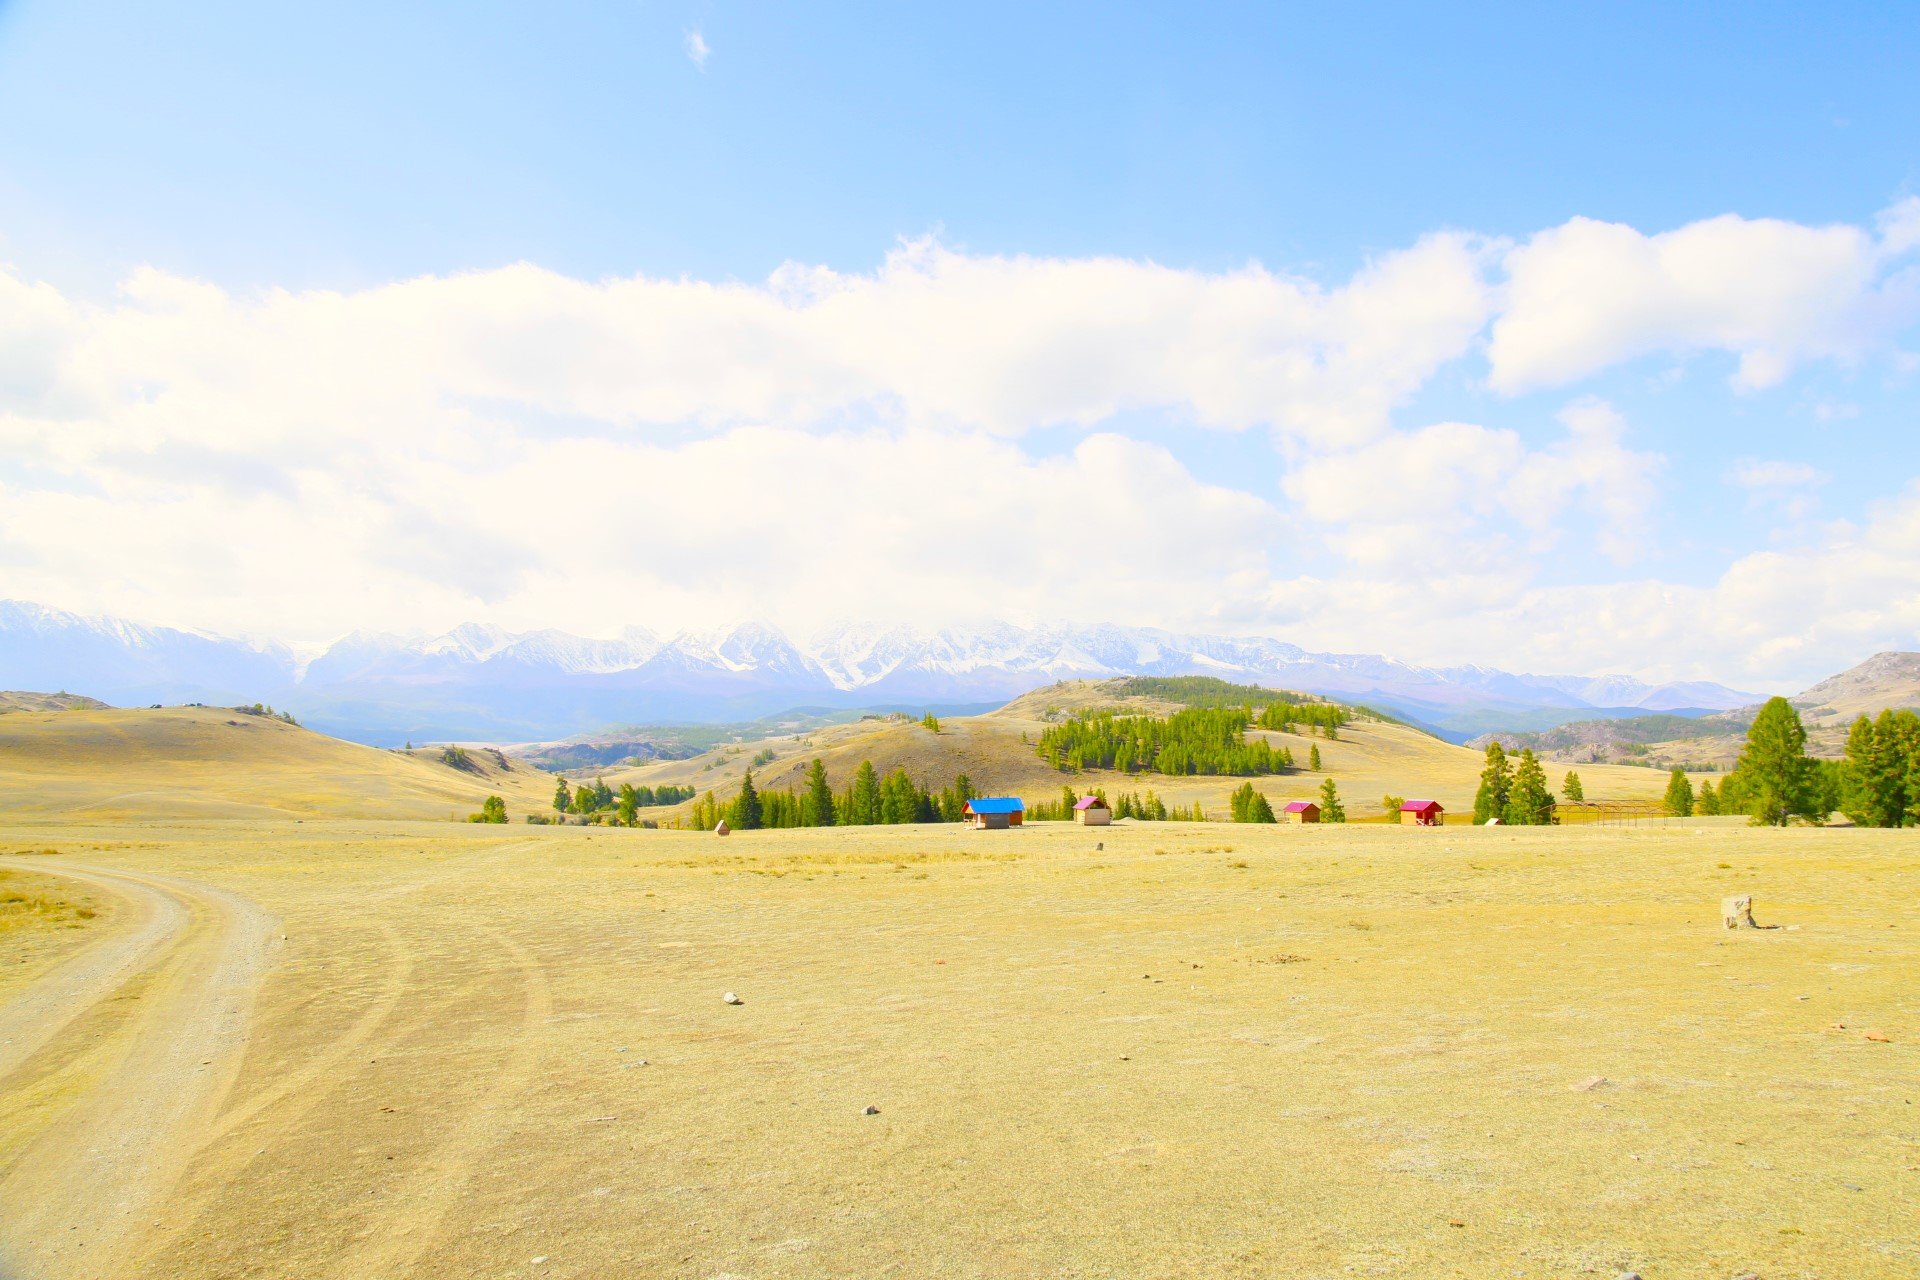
731	998
872	1111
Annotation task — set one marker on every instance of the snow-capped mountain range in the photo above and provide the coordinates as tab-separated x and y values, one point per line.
481	682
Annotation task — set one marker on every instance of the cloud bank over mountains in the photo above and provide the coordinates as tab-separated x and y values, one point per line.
954	436
480	681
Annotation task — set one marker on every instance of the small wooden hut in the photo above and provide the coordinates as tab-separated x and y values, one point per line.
1422	813
1302	811
995	813
1092	811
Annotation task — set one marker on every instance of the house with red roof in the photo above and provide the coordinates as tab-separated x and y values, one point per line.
1422	813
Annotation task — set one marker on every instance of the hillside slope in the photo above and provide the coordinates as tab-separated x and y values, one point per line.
1828	709
22	700
216	762
1882	681
1369	759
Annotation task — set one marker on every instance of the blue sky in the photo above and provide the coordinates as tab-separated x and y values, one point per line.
180	189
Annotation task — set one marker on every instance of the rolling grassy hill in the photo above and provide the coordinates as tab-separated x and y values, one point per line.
21	700
218	762
1371	758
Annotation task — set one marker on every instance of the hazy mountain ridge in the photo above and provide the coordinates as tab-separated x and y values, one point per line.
479	681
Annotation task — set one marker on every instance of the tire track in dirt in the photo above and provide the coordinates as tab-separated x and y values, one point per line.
39	1013
420	1204
142	1090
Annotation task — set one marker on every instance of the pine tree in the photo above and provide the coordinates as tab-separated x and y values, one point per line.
1679	801
1707	803
562	798
629	805
1313	758
930	722
1249	805
863	804
1331	810
1876	776
1529	803
745	813
1571	786
1496	781
1773	769
816	805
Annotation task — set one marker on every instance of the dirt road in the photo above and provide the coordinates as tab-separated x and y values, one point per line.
112	1065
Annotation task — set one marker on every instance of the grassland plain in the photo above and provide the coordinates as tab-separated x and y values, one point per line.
1200	1050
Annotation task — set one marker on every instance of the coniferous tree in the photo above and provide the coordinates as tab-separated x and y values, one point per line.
1496	781
817	802
1331	810
1313	758
1571	786
1707	803
629	812
1773	772
745	814
1529	803
863	802
562	798
1679	799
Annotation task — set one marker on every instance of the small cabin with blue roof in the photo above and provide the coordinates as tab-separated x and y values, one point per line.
995	813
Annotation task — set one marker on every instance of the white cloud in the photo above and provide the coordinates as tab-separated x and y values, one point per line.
594	534
697	49
1586	295
538	450
1756	473
1465	498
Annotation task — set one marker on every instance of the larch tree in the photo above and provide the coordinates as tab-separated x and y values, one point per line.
1679	798
1331	810
1496	782
1571	788
816	805
1774	769
1529	803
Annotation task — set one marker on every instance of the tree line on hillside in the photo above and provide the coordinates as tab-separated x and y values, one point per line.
1775	781
1148	808
870	799
600	803
1212	692
1199	740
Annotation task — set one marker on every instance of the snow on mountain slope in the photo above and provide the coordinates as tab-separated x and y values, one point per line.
476	680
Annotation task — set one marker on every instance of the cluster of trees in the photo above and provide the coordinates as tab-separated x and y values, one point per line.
1199	740
1148	808
1319	717
599	801
1880	779
1248	805
260	709
1513	790
869	800
492	809
1775	781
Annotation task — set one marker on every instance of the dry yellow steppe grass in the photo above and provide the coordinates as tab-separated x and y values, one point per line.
1197	1051
1369	760
212	762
